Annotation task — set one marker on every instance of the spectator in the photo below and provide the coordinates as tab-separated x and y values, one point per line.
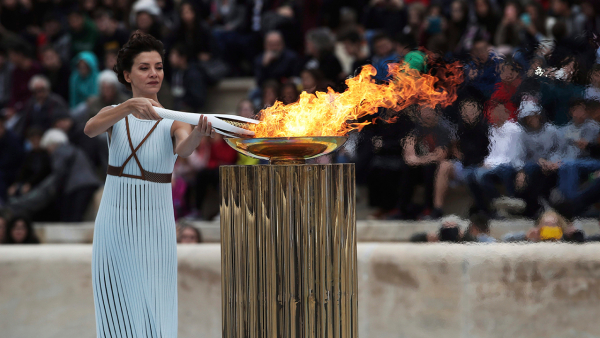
510	79
534	21
482	69
6	70
25	67
592	92
380	162
192	34
457	26
449	231
384	53
13	15
20	231
469	149
542	144
11	157
591	10
415	22
111	37
479	229
83	83
36	166
94	148
423	150
550	226
110	93
82	30
55	36
70	186
354	45
189	235
188	84
270	93
313	81
505	158
568	16
319	49
3	228
146	17
57	72
277	62
220	154
41	108
405	43
289	93
509	31
387	16
486	17
580	132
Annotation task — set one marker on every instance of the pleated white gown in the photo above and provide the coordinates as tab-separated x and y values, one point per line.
134	261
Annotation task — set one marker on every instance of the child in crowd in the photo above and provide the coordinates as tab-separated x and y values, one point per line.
469	150
20	231
424	149
542	143
505	158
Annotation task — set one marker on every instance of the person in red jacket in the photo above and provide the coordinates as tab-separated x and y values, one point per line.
220	154
510	79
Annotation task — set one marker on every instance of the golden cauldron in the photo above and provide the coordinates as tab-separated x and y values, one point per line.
287	150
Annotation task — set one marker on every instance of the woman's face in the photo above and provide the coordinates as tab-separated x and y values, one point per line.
83	68
188	236
187	14
308	81
144	21
146	74
19	232
245	109
482	8
289	95
456	13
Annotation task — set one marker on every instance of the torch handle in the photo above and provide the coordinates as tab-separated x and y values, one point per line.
219	125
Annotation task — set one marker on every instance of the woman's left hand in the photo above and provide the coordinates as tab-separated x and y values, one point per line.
204	128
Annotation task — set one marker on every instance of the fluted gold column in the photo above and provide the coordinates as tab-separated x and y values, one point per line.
288	246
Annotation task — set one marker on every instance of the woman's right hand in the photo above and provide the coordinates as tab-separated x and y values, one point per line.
144	108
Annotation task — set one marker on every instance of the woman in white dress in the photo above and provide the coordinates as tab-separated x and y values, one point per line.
134	262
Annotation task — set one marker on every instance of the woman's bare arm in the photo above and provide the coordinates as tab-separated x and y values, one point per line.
188	139
108	116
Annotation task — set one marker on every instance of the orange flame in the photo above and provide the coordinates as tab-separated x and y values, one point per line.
333	114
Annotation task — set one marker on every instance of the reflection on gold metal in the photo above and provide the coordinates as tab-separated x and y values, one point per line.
288	246
287	150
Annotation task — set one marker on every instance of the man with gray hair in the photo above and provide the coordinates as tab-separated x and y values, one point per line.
277	62
41	107
110	93
70	186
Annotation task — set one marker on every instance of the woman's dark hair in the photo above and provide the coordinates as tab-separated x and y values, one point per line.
139	42
31	237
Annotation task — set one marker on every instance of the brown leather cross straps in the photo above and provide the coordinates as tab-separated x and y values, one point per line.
145	175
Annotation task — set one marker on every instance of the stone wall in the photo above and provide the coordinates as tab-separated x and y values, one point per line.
405	290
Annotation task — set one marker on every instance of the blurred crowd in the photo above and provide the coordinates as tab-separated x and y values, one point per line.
522	135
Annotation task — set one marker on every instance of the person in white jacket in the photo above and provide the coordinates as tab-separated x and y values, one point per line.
505	158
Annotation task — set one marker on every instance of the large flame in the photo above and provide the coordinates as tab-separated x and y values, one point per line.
335	114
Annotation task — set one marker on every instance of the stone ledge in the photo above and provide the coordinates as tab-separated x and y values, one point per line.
405	290
367	231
